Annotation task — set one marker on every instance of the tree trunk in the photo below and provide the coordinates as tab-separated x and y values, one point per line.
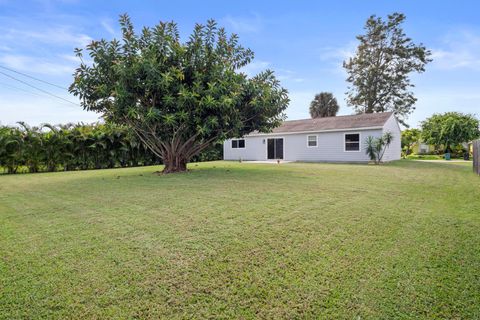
175	163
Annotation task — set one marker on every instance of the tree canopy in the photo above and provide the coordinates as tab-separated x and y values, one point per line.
410	137
324	105
178	97
450	129
379	72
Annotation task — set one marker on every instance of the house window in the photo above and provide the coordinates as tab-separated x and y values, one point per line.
352	142
238	144
311	141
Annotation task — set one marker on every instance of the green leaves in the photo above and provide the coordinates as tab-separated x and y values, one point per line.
153	114
70	147
379	72
172	91
375	147
169	119
324	105
409	138
450	129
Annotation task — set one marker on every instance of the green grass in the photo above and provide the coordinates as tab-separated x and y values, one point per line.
230	240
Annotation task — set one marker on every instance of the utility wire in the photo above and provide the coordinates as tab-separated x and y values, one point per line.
34	78
39	89
27	91
21	89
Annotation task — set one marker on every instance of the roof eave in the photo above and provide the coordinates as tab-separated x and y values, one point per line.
313	131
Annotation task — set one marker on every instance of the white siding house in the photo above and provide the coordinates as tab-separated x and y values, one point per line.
332	139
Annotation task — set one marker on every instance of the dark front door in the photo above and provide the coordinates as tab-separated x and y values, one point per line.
275	148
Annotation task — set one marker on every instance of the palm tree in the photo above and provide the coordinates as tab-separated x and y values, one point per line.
376	147
324	105
56	147
11	149
32	142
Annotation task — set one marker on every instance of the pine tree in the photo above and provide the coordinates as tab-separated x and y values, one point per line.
379	72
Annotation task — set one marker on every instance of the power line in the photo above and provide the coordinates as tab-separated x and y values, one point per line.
34	78
39	89
27	91
21	89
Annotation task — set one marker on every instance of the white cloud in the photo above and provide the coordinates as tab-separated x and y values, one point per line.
60	65
334	57
298	80
5	48
41	45
289	77
255	67
107	25
42	50
281	74
34	109
338	54
461	49
243	24
58	35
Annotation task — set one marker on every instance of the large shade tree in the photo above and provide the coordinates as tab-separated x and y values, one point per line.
324	105
450	129
178	97
379	73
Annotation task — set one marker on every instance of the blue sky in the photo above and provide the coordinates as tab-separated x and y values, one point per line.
304	42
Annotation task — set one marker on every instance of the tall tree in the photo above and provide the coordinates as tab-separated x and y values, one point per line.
450	129
324	105
178	97
379	72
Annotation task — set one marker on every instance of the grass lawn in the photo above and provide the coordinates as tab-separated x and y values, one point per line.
230	240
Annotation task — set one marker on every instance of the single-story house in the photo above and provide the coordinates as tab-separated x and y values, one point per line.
330	139
423	148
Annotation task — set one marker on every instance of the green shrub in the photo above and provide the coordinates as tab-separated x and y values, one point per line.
77	147
424	157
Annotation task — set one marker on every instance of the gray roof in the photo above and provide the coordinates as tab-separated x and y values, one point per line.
358	121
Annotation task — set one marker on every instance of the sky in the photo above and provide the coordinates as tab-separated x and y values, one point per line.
304	42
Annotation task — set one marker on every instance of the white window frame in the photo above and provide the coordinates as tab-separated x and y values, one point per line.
316	140
238	144
345	142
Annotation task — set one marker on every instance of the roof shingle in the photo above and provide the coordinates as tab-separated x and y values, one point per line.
366	120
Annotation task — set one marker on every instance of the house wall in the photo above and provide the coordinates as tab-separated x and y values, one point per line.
330	147
254	150
393	152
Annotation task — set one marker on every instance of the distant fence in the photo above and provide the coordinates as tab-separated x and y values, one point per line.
476	156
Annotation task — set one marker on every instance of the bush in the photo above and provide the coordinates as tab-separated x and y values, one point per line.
77	147
424	157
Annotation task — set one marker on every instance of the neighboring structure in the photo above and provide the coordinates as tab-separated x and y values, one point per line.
423	148
331	139
469	146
